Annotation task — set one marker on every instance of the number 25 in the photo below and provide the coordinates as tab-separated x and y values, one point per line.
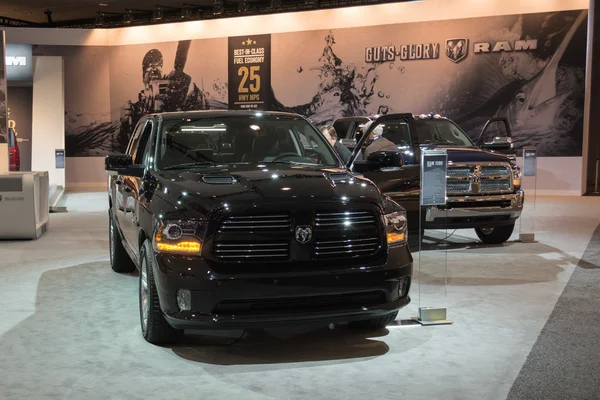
254	77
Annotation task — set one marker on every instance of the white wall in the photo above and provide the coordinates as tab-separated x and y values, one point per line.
48	130
559	176
4	158
86	173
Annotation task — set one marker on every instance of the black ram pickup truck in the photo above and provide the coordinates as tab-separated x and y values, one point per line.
483	179
240	219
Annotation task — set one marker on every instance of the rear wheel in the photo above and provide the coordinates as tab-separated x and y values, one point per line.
497	235
375	323
155	328
119	259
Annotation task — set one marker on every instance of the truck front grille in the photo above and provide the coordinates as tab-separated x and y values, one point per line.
474	179
346	234
252	223
252	251
271	238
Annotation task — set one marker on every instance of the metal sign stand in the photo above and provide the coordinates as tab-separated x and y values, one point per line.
434	166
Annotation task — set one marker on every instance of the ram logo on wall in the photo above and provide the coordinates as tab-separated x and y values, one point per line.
529	68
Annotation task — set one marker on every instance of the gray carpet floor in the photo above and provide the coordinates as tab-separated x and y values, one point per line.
69	326
565	361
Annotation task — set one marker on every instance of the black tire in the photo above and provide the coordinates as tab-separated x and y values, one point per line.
375	324
155	328
497	235
119	259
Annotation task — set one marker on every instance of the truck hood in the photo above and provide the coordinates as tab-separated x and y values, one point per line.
471	154
207	190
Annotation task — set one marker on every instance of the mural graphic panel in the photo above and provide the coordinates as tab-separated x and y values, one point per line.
529	68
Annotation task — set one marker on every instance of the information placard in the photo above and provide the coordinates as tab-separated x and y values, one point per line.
250	72
529	161
434	166
60	158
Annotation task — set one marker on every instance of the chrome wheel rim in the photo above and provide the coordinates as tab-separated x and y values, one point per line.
487	231
144	303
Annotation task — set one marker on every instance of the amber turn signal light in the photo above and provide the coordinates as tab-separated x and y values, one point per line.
393	237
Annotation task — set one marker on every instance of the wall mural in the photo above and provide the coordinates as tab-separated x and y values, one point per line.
529	68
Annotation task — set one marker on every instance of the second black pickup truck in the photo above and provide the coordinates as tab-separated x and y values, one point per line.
483	180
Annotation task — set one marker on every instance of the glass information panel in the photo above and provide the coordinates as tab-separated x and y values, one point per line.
432	258
529	183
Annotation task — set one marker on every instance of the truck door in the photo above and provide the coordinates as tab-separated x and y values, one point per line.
400	181
496	136
131	189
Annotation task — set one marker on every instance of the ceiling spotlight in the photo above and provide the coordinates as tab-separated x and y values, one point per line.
218	7
128	18
243	6
158	14
48	13
185	13
99	19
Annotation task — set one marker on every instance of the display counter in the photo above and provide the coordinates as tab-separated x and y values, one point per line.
23	204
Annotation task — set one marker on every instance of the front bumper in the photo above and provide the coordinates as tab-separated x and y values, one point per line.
476	211
222	301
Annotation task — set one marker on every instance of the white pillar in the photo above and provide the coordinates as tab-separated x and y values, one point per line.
48	130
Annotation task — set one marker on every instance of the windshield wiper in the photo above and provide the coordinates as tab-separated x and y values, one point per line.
192	164
288	162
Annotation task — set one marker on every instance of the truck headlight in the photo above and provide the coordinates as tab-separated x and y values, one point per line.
396	227
179	237
516	178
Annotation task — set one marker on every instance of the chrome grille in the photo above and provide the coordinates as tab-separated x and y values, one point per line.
347	218
346	234
462	172
458	186
348	247
252	251
469	179
257	223
494	170
495	185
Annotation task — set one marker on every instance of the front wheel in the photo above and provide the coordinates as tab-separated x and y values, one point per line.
155	328
497	235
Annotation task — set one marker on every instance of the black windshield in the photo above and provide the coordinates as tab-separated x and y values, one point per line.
440	132
242	139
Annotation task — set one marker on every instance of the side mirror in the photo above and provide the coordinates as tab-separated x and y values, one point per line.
498	143
385	161
122	164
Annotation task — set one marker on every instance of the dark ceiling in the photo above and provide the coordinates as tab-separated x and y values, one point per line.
118	13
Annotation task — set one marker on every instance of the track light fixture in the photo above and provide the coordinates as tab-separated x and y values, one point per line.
218	7
128	17
185	13
243	6
158	14
99	19
48	13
